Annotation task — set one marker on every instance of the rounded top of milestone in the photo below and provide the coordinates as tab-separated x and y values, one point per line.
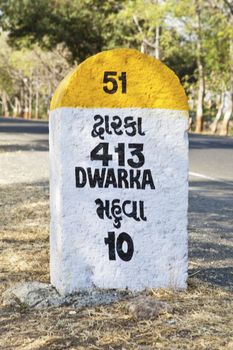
121	78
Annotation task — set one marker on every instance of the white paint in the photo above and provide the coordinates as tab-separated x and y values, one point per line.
209	178
202	176
79	256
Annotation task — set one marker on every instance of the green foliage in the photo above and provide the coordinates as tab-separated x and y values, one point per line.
78	24
27	75
47	36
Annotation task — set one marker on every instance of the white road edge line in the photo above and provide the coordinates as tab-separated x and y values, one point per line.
210	178
202	176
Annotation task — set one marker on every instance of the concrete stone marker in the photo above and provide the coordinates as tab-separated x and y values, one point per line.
119	175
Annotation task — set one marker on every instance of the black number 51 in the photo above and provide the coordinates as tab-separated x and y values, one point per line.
110	79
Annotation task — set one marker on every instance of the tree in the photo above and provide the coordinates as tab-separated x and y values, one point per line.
146	18
229	108
28	78
149	25
220	61
53	22
193	37
191	15
200	67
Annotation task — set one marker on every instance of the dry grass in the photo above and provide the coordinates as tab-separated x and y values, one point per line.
202	316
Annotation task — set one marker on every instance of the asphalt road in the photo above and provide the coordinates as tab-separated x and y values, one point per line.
24	156
211	209
23	151
211	157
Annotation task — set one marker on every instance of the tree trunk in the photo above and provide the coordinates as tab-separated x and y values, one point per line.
229	96
201	77
25	112
227	114
15	109
21	102
143	47
157	37
5	109
225	125
200	101
37	103
30	100
214	125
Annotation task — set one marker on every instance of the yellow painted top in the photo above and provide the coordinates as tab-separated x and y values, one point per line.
121	78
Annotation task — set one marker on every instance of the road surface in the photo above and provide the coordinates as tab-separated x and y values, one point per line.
24	156
211	209
23	151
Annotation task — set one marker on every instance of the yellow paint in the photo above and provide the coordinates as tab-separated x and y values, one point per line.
150	84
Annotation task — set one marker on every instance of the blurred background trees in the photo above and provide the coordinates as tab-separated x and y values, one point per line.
40	41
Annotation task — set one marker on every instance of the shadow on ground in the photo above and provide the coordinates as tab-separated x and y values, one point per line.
14	125
211	232
38	145
197	141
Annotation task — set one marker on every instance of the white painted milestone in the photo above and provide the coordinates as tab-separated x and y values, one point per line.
118	177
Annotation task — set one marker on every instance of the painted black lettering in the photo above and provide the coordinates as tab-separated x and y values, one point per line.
97	178
118	246
110	241
122	178
140	132
80	177
100	152
133	212
103	209
97	131
111	178
142	215
116	124
108	131
134	178
147	179
121	154
124	237
122	78
130	124
137	152
116	213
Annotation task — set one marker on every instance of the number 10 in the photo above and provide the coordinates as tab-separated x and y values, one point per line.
118	246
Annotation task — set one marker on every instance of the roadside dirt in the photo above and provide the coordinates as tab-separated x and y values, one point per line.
201	316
